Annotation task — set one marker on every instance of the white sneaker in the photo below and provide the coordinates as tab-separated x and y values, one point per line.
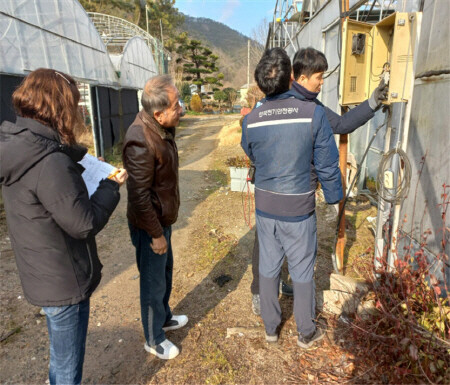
271	338
177	321
166	350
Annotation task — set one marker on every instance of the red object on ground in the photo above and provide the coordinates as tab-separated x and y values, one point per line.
245	111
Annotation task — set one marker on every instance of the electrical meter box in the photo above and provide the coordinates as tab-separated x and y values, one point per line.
372	52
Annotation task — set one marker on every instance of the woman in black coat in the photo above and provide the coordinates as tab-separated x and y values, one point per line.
51	219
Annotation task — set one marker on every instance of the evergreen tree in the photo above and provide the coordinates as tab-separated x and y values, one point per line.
220	96
199	63
231	95
185	90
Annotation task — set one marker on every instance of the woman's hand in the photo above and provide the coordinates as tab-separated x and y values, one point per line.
120	177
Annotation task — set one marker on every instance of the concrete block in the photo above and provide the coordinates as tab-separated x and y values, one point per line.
348	285
366	309
337	302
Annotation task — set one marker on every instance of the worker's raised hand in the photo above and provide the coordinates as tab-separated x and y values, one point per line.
378	95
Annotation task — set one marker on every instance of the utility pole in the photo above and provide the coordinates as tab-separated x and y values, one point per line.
146	15
343	147
248	64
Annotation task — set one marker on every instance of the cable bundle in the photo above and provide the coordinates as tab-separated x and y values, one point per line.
399	190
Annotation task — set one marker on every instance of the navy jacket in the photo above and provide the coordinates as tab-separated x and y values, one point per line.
340	124
286	138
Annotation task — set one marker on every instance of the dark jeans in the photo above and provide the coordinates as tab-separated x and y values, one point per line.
155	283
67	328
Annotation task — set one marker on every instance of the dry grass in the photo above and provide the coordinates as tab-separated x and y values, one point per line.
230	135
86	139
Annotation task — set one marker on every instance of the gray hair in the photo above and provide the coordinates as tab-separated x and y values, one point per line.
155	96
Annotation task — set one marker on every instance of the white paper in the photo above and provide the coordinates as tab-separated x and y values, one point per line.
95	171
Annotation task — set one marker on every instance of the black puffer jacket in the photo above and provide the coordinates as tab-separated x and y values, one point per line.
51	219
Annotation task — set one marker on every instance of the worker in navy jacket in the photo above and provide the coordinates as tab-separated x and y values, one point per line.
309	66
284	137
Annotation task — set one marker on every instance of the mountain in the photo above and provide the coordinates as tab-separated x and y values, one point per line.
228	44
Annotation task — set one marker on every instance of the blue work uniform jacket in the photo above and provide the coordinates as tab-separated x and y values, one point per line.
290	141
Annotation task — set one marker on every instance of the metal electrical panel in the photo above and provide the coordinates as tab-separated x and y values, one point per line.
369	51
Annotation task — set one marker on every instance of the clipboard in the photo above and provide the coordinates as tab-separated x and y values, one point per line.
95	171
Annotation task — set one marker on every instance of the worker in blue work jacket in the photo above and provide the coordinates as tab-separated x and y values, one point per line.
309	66
282	137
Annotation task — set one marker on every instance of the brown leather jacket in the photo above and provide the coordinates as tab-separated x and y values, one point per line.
150	156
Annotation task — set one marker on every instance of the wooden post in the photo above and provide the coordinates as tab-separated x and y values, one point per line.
343	148
340	245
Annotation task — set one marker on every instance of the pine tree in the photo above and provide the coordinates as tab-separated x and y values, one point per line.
199	63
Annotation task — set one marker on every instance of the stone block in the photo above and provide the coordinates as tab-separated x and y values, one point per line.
348	285
366	309
337	302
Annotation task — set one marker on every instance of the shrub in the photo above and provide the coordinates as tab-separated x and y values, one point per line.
187	101
196	103
411	329
254	94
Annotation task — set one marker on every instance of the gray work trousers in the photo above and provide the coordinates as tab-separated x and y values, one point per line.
298	241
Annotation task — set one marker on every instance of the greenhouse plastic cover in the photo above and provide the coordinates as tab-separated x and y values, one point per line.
137	64
54	34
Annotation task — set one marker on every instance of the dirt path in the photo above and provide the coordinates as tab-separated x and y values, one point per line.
115	341
212	276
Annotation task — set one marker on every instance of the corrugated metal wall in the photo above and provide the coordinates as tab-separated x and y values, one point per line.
429	133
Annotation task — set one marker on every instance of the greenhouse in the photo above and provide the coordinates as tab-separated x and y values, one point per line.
59	34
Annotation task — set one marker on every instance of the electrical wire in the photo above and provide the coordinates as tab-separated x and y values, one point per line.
400	191
247	200
331	72
355	178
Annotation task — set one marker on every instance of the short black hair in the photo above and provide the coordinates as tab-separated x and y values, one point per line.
273	72
308	61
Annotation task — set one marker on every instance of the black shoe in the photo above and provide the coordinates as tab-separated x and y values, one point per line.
306	342
285	289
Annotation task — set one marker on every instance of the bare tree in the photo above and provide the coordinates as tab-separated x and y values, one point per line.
258	42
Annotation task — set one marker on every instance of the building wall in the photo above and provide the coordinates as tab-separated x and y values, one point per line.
429	132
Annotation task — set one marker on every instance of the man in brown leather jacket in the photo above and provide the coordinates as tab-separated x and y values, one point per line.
151	158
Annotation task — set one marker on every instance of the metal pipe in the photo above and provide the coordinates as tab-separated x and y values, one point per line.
392	257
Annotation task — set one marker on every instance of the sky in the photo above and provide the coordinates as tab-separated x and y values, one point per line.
241	15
